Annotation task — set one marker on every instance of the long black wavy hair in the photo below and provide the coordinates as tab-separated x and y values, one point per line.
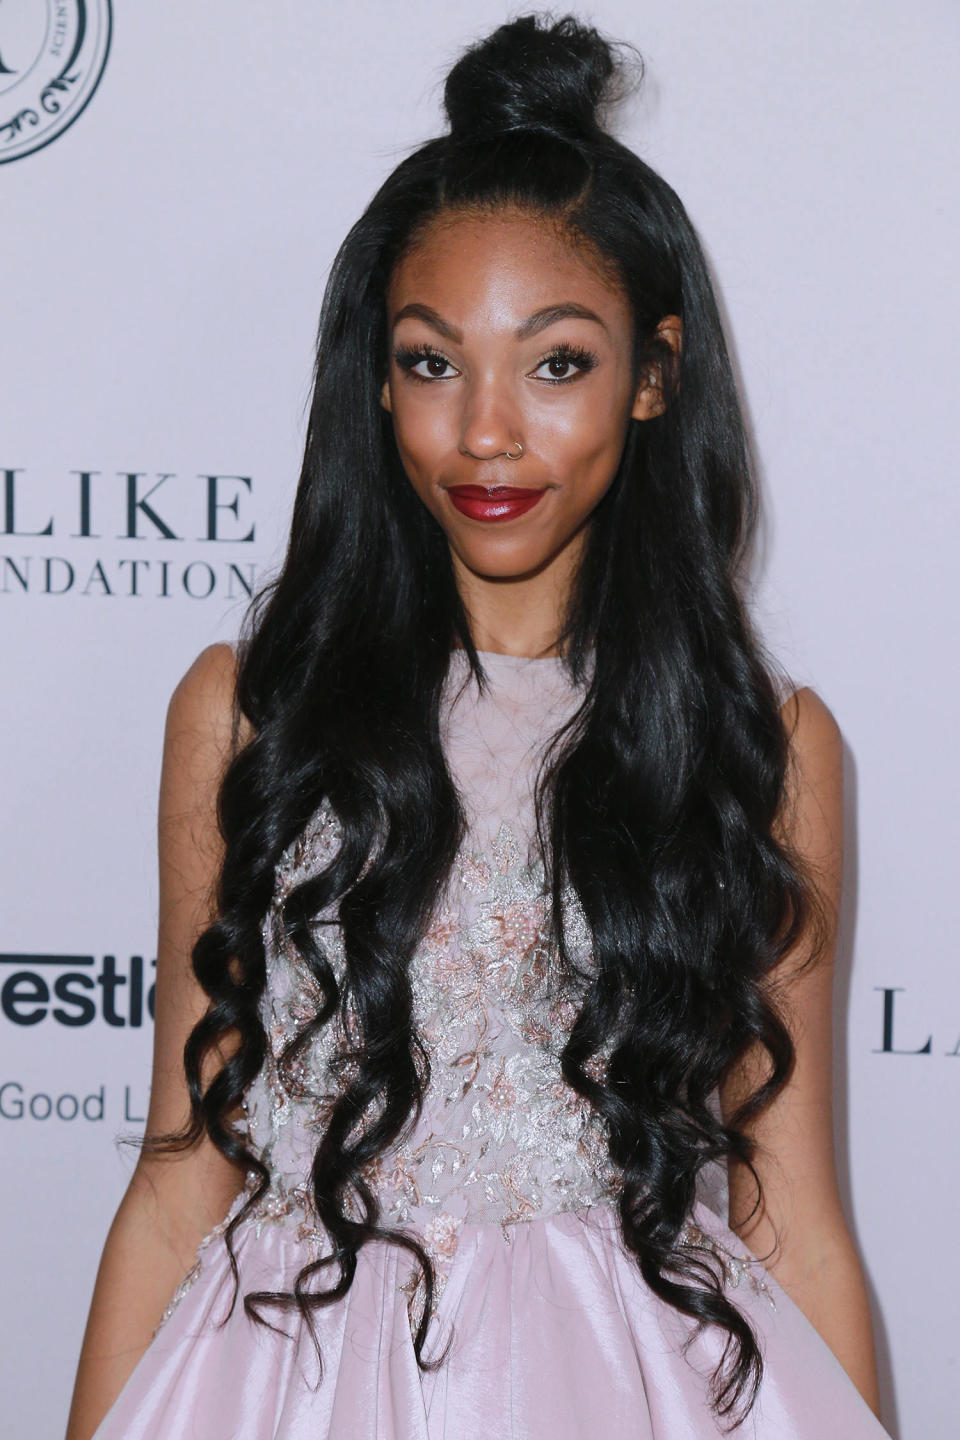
660	799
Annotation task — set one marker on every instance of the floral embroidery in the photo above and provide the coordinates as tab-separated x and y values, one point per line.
501	1137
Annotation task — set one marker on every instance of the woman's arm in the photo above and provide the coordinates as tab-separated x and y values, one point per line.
815	1261
173	1200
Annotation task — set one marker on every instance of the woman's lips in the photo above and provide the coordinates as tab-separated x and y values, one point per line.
493	502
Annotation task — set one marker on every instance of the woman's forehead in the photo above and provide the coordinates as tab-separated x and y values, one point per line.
473	262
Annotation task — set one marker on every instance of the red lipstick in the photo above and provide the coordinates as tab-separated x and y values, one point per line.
493	502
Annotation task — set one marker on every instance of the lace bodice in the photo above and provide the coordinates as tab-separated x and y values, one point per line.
543	1321
501	1137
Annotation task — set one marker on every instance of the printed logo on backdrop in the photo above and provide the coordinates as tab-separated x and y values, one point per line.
135	534
902	1027
52	55
110	992
74	990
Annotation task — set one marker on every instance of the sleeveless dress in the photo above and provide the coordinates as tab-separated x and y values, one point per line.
551	1332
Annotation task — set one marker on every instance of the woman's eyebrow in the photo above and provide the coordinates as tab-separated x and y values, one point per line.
430	317
550	314
540	320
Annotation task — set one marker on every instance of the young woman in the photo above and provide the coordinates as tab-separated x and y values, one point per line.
498	876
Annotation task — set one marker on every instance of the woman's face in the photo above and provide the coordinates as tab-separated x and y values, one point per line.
502	335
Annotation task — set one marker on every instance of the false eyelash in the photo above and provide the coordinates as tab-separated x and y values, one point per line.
409	356
573	355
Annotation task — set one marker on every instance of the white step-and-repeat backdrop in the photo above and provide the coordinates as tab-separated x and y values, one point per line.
174	181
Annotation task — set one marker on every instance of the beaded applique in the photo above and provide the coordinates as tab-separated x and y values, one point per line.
735	1268
502	1137
196	1269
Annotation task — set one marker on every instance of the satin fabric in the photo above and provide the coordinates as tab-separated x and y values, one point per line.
552	1336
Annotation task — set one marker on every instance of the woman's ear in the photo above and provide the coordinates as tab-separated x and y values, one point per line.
649	400
385	396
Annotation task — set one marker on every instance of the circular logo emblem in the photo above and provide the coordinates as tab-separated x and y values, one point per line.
52	54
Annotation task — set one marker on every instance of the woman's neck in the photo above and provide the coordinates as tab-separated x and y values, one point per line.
518	615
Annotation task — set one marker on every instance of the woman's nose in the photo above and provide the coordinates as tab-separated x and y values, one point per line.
490	423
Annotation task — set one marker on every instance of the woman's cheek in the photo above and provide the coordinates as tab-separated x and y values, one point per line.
425	432
575	435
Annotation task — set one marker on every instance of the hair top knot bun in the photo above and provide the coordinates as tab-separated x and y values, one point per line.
533	73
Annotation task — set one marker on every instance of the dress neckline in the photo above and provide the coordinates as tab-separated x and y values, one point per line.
497	657
530	682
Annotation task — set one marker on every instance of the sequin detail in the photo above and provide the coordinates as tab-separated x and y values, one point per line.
734	1268
502	1138
196	1269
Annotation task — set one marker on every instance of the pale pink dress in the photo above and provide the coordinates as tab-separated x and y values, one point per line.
553	1334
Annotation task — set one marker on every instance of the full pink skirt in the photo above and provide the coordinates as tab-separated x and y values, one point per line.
555	1336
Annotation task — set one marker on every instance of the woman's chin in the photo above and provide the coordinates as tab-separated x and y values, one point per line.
503	558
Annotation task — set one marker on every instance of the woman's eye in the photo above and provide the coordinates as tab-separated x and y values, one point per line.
436	366
565	365
562	365
425	364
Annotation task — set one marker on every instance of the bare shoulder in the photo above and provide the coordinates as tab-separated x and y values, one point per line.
203	696
200	741
809	722
811	816
215	668
202	704
814	780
